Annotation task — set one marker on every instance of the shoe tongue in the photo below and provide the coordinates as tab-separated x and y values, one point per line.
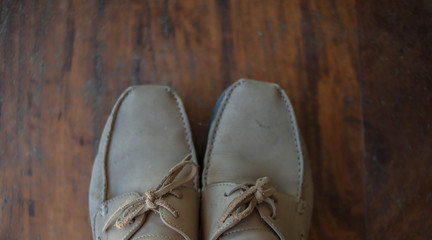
154	228
252	227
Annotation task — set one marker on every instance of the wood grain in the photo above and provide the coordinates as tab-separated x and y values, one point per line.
64	63
396	60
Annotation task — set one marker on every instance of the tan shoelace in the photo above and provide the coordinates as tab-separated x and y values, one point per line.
253	194
152	200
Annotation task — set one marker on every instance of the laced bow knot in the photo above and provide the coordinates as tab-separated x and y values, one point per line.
150	199
253	194
153	199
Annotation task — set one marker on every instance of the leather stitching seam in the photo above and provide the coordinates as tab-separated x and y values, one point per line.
242	230
132	229
188	136
171	223
216	126
295	136
155	235
222	227
221	184
113	117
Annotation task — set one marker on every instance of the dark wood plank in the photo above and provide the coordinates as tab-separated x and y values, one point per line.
47	122
63	64
396	58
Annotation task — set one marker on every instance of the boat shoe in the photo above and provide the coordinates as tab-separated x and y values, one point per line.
256	181
144	179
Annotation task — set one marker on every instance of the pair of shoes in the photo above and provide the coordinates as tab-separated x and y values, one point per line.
256	181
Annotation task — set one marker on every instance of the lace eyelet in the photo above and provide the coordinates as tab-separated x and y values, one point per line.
132	221
225	194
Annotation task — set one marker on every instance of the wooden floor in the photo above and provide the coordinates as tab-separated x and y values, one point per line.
359	74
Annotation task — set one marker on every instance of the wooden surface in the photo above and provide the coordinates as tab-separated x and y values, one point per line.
396	77
358	73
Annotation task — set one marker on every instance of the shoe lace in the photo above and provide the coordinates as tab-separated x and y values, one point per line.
153	199
253	194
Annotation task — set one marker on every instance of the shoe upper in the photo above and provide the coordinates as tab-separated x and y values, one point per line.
256	177
145	138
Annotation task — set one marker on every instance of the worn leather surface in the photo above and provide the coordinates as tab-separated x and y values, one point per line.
255	134
146	134
214	204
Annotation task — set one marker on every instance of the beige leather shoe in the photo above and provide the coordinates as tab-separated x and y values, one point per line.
256	180
140	186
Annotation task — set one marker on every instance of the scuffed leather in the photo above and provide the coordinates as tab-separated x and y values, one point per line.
150	134
255	134
98	183
106	210
146	134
